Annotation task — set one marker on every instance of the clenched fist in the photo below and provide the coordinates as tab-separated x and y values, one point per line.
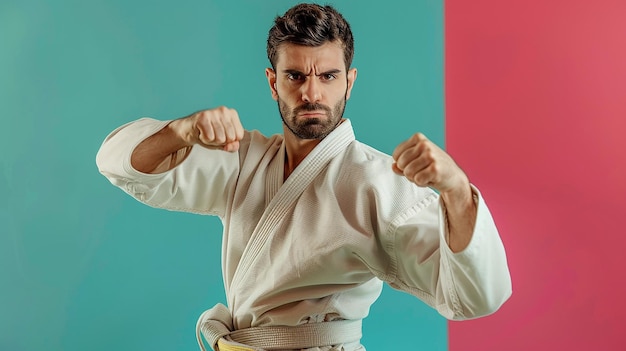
217	128
425	164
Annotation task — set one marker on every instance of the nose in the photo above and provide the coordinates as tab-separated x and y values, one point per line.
311	90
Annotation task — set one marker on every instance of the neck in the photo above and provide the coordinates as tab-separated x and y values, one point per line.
296	150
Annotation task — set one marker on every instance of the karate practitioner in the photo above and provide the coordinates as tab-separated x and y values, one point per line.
314	221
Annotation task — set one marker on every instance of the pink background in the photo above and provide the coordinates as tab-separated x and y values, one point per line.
535	113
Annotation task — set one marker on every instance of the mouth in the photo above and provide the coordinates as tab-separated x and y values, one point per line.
312	114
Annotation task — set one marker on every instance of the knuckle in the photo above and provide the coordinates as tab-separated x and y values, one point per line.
419	136
200	115
219	138
401	162
421	145
429	155
204	116
417	179
435	168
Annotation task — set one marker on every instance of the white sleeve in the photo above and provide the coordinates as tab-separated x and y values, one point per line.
468	284
200	184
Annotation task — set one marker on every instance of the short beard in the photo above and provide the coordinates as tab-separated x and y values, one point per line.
311	128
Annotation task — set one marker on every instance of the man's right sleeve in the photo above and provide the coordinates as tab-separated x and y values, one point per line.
202	183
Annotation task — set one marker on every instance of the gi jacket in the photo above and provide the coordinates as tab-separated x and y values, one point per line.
318	246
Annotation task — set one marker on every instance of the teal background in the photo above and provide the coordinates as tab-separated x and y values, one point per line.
85	267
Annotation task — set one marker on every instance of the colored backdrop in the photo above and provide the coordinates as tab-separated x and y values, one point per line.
85	267
536	113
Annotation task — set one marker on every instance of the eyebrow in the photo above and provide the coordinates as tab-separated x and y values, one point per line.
295	71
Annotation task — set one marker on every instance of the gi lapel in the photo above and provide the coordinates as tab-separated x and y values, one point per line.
287	194
275	173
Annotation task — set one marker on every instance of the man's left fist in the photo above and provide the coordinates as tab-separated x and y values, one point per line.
422	162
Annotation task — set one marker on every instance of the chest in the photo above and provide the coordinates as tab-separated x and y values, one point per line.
319	235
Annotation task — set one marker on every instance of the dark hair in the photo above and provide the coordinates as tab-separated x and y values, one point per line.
310	25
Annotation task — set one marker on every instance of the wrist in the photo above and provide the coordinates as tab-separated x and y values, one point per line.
182	130
459	197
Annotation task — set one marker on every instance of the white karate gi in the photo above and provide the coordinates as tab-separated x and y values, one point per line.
318	246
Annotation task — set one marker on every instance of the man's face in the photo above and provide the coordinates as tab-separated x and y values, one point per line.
311	86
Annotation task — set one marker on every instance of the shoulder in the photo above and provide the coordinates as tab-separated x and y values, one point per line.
256	138
368	191
366	169
256	144
363	155
364	165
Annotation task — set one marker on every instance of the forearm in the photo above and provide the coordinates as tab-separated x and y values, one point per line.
478	275
162	151
460	217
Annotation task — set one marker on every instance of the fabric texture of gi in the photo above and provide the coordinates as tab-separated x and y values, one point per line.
318	246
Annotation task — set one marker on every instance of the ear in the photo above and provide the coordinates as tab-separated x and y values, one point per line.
351	80
271	80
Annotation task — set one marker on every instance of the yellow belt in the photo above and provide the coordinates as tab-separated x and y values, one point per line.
216	326
224	345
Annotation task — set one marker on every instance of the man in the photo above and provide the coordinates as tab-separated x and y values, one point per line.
315	221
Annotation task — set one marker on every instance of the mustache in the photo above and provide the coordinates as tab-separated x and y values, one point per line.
311	107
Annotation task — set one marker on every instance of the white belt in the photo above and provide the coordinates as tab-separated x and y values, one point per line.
216	323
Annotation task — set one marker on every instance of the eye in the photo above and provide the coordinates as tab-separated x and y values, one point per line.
328	77
294	76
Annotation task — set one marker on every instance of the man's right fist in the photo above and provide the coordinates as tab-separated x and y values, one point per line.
217	128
